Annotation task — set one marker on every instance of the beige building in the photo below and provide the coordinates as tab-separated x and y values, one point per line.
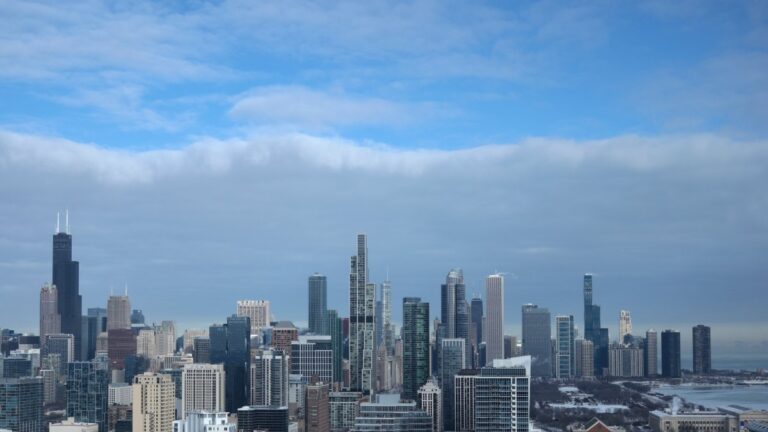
70	425
708	421
257	311
118	312
154	403
202	388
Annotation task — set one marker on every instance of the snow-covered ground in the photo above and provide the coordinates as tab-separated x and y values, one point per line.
598	408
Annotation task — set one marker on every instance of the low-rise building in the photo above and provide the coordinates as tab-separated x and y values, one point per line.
70	425
710	421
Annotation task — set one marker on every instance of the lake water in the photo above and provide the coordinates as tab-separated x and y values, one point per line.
715	396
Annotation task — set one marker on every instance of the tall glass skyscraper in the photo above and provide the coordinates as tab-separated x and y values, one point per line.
386	310
362	299
454	316
88	392
452	360
318	304
21	404
66	278
651	353
592	328
337	344
565	346
231	345
415	346
670	354
702	350
537	339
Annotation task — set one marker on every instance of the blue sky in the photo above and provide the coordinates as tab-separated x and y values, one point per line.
546	139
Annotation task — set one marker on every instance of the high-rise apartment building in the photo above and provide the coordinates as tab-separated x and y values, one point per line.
119	312
584	358
464	400
493	329
231	346
269	378
625	361
361	320
452	360
257	311
386	315
154	403
312	357
283	334
317	302
88	392
388	413
21	404
337	344
317	410
702	350
66	278
670	354
415	346
651	353
537	339
202	388
625	325
50	319
431	402
345	406
564	345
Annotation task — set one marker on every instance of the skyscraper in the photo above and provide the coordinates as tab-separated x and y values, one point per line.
388	413
337	344
431	402
262	418
154	403
317	408
651	353
702	350
584	358
119	312
66	278
537	337
476	322
379	321
312	357
50	320
62	345
625	325
88	392
565	346
670	354
499	396
415	346
231	345
202	388
592	328
361	320
386	309
493	330
454	316
318	304
21	400
452	360
269	378
258	312
121	345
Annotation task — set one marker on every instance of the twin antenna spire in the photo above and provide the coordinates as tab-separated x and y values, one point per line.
66	222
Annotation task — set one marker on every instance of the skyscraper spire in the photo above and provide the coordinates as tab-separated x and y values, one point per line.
58	217
66	219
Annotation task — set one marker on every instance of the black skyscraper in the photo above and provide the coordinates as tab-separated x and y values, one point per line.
670	354
230	344
592	330
415	346
66	277
702	350
476	320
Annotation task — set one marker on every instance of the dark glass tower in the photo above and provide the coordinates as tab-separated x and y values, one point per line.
66	277
21	404
702	350
415	346
318	304
477	318
87	392
537	339
592	330
670	354
337	344
231	345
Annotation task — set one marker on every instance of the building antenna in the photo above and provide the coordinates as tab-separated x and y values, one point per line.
126	289
58	219
66	219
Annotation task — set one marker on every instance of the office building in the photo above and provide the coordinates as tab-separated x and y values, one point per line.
121	344
702	350
62	345
154	403
464	400
537	339
66	278
202	388
625	361
345	406
313	357
266	418
146	345
625	325
15	367
670	354
21	404
379	328
452	360
709	421
592	328
386	316
388	413
50	320
119	312
431	402
50	381
88	392
493	330
165	338
337	344
283	334
361	320
231	346
564	345
137	317
651	353
269	378
584	352
317	301
454	313
201	350
317	410
204	421
475	328
176	375
257	311
120	394
415	335
71	425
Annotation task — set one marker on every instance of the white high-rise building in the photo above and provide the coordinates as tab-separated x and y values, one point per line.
625	325
203	421
269	376
431	402
120	394
154	403
165	338
118	312
362	301
257	311
493	326
202	388
146	346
